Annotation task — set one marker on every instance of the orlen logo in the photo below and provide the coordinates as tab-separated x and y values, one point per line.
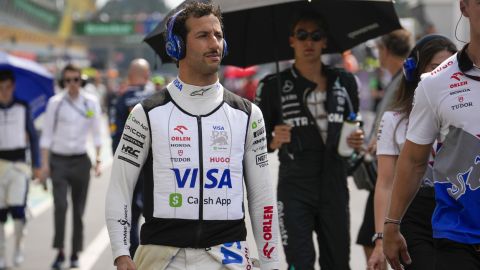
456	76
180	129
215	178
267	230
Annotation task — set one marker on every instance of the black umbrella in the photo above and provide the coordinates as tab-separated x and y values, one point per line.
257	31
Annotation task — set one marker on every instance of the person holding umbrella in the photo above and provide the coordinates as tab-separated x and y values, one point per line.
198	145
303	119
445	109
16	125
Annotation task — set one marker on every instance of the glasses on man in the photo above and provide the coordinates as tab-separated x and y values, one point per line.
72	80
303	35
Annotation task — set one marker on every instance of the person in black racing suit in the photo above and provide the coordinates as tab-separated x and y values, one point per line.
303	120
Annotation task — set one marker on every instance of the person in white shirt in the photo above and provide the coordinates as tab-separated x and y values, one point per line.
199	146
446	108
69	117
426	56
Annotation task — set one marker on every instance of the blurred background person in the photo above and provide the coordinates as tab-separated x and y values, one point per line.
138	78
70	116
18	134
393	48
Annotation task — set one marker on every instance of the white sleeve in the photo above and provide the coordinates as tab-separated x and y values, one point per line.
385	136
129	158
261	201
97	123
48	124
423	124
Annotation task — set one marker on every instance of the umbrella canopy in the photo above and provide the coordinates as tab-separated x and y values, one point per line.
257	31
33	83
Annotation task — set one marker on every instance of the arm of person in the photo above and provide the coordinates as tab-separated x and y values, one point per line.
125	170
97	136
423	128
34	144
268	100
46	139
383	189
261	201
411	167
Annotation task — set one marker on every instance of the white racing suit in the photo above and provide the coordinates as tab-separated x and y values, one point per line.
198	147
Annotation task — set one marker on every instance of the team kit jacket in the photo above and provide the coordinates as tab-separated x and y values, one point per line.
196	169
17	129
446	108
288	105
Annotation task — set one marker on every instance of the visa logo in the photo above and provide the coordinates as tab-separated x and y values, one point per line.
178	84
215	178
218	128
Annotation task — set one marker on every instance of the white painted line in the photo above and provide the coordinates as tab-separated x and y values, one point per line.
89	257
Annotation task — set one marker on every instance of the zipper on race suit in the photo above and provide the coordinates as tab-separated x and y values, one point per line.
200	205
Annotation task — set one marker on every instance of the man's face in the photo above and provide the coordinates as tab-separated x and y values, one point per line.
6	90
308	41
204	44
72	80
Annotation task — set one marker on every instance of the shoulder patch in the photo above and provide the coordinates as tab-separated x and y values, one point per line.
237	102
160	98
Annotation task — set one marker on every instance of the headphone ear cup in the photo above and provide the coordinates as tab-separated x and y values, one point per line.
180	46
171	48
225	49
409	68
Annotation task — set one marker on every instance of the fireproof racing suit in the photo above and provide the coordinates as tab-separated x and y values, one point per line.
197	147
312	187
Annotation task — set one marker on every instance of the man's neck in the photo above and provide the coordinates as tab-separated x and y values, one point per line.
197	79
473	52
73	94
310	70
6	101
394	66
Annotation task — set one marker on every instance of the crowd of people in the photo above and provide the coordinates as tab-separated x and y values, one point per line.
187	153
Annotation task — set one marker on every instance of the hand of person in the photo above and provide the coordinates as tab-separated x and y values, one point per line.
44	173
355	139
395	246
377	258
281	135
98	169
372	146
37	173
124	263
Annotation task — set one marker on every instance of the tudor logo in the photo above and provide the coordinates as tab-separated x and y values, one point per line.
456	76
460	99
180	152
180	129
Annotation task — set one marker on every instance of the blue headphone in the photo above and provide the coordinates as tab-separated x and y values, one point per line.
411	63
175	46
